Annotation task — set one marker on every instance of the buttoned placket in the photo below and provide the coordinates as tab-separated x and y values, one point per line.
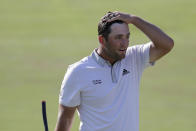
104	63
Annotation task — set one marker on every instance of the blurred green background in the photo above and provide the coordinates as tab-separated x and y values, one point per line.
40	38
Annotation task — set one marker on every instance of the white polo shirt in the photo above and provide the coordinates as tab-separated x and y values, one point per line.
108	96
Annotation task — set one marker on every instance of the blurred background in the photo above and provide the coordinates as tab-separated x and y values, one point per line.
40	38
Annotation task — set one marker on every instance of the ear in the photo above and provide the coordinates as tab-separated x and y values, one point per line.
101	39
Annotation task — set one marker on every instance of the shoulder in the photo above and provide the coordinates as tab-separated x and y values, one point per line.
138	48
137	53
81	65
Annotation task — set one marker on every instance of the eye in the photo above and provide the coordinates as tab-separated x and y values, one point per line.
118	37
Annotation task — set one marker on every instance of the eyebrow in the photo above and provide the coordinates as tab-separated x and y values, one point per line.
122	34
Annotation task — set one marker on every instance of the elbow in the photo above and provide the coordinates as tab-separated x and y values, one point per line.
170	45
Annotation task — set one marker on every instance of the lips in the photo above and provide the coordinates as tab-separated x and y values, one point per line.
122	50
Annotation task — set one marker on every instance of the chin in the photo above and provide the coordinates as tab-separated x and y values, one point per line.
120	57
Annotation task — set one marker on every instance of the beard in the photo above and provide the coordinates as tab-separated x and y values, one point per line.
115	54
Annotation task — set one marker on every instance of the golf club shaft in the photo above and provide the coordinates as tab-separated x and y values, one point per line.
44	115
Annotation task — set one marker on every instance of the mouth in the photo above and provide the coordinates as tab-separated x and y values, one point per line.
122	50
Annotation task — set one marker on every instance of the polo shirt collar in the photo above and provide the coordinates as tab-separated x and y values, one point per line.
102	62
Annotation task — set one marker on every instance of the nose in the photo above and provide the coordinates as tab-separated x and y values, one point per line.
124	42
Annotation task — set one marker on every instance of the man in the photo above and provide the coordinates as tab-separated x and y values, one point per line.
104	87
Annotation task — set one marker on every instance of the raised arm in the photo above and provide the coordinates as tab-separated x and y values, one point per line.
161	42
65	118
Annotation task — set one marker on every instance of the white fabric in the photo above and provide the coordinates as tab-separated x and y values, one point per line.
105	105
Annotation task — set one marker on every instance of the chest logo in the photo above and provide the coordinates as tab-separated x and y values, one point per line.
125	72
95	82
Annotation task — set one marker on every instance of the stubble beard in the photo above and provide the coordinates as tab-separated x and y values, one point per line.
111	53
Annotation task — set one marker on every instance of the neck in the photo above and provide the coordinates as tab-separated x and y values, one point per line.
105	56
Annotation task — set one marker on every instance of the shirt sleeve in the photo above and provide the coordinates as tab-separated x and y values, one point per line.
144	55
140	54
70	89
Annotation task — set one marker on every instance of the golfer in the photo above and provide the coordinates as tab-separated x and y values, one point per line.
104	86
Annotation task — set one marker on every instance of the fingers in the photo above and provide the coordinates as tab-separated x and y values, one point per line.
116	13
116	16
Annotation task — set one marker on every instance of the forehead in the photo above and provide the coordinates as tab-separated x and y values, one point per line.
119	28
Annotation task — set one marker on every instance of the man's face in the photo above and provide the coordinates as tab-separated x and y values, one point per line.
118	41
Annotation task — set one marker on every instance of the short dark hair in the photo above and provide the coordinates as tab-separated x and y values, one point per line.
104	24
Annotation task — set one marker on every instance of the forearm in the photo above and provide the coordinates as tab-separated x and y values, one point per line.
63	125
64	122
156	35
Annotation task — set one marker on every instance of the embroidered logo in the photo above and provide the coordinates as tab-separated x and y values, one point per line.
95	82
125	72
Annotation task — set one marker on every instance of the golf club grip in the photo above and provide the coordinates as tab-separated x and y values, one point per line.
44	115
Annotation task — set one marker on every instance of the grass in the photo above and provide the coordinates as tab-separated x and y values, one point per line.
39	39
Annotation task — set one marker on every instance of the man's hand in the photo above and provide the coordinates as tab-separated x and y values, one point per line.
127	18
